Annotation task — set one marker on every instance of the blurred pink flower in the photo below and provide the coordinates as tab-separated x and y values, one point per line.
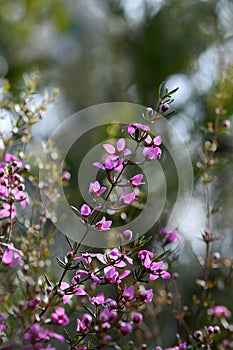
60	317
11	256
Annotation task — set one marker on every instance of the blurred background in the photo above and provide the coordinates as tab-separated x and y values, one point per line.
100	51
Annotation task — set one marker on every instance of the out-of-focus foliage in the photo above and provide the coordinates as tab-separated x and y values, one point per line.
113	50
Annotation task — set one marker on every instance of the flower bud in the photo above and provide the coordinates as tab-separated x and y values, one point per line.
165	107
137	317
226	123
127	234
125	327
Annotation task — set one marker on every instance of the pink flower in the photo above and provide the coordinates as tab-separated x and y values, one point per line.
128	293
96	189
13	160
36	333
125	327
142	254
152	151
226	123
8	210
119	259
132	128
146	295
72	289
84	211
170	236
21	197
155	269
150	111
115	257
34	303
128	234
66	298
108	315
136	180
220	311
98	300
103	224
66	176
111	163
11	256
60	317
120	148
127	198
112	275
82	326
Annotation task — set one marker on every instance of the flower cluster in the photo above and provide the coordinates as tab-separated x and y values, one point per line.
113	298
12	187
118	158
105	313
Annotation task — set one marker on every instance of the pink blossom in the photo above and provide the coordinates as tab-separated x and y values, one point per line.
127	198
115	258
136	180
108	315
36	333
84	211
146	295
112	275
82	326
8	210
60	317
135	126
98	300
103	224
128	293
66	298
34	303
72	289
119	259
120	148
151	153
66	176
111	163
220	311
226	123
150	111
155	269
143	253
11	256
96	189
128	234
125	327
10	158
20	196
170	236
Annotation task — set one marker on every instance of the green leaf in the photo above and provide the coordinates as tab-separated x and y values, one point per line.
173	91
47	281
68	241
161	88
61	263
68	339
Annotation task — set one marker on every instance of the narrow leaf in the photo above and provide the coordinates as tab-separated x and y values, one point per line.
47	281
173	91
